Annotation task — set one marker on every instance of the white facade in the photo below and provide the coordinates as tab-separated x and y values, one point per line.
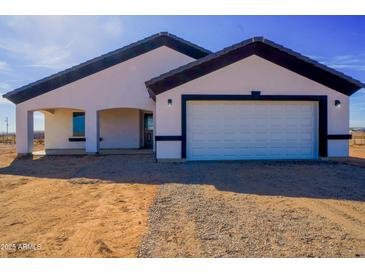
250	74
115	101
118	87
120	128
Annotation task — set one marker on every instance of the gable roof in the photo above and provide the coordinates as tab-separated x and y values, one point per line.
103	62
255	46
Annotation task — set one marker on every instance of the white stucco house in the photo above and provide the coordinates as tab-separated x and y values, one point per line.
253	100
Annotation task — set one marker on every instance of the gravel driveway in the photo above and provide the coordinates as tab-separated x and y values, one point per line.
258	209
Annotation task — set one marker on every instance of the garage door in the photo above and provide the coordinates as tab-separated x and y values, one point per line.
235	130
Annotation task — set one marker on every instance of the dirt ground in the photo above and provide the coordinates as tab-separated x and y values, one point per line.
67	216
357	156
127	206
357	151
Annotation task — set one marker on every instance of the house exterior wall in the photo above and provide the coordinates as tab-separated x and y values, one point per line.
338	148
120	128
120	86
58	128
250	74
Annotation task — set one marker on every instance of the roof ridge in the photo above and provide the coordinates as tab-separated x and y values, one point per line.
202	60
310	60
252	40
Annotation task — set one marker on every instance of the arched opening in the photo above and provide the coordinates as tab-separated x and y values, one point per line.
38	132
62	129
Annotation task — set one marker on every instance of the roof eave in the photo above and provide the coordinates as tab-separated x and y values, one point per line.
80	71
348	84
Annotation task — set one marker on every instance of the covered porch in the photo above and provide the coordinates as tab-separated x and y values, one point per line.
74	131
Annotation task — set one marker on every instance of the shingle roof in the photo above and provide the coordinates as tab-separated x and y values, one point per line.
103	62
264	48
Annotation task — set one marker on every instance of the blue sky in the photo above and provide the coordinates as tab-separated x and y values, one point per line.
33	47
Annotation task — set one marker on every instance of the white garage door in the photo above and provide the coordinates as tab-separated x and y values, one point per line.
234	130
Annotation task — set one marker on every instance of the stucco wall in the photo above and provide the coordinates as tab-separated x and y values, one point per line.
120	128
252	73
120	86
58	128
338	148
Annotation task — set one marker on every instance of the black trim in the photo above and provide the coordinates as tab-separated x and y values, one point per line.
255	93
261	47
77	139
339	136
80	139
322	115
103	62
168	138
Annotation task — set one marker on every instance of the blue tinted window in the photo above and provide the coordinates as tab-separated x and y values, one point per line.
78	124
149	122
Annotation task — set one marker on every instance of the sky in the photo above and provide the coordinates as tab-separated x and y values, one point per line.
33	47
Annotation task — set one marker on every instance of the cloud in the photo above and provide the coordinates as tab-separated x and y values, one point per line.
4	87
113	26
47	56
4	66
352	62
4	101
57	42
360	67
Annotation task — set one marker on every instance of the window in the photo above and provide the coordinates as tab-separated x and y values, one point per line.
149	122
78	120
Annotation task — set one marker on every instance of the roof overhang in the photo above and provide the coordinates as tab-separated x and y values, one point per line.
103	62
263	48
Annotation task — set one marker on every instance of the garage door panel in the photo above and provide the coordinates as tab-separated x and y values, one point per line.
234	130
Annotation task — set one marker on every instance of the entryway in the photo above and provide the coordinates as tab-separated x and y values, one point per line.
148	130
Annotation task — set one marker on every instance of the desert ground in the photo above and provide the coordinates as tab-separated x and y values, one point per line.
69	216
131	206
357	151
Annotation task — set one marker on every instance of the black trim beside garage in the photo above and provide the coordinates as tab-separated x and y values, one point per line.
168	138
339	136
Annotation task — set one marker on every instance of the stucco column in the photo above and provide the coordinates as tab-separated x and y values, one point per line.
24	131
92	131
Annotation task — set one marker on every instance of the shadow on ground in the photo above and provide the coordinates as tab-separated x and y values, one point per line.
312	179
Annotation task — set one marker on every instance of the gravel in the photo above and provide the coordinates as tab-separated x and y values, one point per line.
199	221
260	209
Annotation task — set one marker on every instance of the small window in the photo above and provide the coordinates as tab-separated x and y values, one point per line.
78	120
149	122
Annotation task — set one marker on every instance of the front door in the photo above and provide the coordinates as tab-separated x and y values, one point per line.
148	130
